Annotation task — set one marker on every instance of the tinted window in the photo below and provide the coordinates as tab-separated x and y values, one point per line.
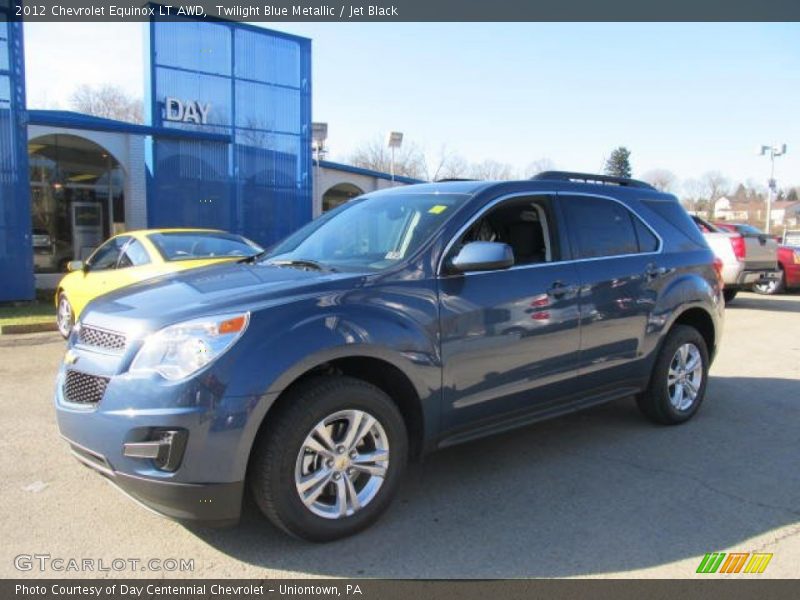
107	255
647	241
674	214
189	245
599	227
134	256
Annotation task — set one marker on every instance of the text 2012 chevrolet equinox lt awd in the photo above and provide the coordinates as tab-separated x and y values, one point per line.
401	322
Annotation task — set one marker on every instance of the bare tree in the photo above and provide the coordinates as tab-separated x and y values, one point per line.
540	165
107	101
456	167
409	161
716	186
661	179
692	192
492	170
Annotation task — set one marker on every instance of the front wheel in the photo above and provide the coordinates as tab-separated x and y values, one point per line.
330	460
65	316
678	383
774	286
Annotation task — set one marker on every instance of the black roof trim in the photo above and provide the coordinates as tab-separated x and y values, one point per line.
591	178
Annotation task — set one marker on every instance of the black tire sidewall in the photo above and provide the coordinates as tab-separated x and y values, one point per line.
332	395
659	390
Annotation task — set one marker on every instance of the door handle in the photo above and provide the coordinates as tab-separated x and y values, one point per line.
654	272
559	289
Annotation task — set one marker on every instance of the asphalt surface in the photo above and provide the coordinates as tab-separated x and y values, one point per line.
601	493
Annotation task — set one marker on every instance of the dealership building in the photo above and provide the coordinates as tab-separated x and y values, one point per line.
226	143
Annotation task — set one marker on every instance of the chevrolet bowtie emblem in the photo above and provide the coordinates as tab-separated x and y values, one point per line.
70	357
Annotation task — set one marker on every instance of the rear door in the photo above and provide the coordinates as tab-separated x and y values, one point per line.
617	257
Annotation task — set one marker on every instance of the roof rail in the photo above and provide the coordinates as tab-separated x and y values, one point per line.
592	178
450	179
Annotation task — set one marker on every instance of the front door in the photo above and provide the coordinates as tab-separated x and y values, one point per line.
510	338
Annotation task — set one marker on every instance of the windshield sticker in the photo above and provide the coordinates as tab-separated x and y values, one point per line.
438	209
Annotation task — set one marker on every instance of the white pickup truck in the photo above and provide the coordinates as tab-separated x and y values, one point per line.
748	257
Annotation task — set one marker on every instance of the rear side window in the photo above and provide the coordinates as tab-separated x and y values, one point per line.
648	242
674	214
599	227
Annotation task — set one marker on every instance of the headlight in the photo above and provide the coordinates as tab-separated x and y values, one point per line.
178	351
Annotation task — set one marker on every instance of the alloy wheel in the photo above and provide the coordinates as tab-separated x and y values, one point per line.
342	464
64	316
685	376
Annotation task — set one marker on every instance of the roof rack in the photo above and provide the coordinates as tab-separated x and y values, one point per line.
592	178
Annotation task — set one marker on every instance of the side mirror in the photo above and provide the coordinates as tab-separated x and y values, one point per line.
76	265
483	256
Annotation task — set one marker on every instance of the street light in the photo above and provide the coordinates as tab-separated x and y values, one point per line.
319	134
394	139
772	152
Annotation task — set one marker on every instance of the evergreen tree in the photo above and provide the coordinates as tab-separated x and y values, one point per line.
619	163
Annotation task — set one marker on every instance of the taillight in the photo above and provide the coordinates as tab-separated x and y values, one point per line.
718	269
739	248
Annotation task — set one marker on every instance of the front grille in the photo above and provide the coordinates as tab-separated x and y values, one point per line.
83	388
100	338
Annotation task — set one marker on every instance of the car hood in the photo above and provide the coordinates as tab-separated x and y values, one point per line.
215	289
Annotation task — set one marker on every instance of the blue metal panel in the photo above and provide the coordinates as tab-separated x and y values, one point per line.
16	249
258	85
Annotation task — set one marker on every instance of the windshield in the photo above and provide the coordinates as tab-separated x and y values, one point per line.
372	232
192	245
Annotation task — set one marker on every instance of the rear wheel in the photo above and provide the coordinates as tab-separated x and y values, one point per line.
330	460
65	316
678	383
775	286
729	294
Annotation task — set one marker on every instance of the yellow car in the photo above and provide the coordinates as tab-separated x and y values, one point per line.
134	256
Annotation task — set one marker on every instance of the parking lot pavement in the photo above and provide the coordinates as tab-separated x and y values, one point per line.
601	493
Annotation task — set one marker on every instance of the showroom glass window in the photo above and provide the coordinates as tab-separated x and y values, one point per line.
77	199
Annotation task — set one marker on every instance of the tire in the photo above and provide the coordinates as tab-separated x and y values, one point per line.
662	402
65	316
282	461
771	288
729	295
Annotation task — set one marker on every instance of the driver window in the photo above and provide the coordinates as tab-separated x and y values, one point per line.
524	224
134	256
107	255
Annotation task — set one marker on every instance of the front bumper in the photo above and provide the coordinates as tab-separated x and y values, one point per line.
206	485
209	504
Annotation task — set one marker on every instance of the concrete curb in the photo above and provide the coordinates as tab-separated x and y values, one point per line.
27	328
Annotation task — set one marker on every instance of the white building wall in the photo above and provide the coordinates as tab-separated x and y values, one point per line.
330	177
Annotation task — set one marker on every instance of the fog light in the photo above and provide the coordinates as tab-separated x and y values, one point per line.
165	447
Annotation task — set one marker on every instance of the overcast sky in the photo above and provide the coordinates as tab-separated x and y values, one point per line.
684	97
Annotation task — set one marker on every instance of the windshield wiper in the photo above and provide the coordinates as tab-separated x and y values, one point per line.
300	262
252	258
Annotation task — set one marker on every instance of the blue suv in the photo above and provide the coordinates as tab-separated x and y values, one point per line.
401	322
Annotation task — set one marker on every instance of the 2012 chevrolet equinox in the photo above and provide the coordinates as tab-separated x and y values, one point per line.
403	321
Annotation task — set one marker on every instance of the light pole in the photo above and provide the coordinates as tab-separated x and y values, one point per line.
319	133
772	152
394	139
